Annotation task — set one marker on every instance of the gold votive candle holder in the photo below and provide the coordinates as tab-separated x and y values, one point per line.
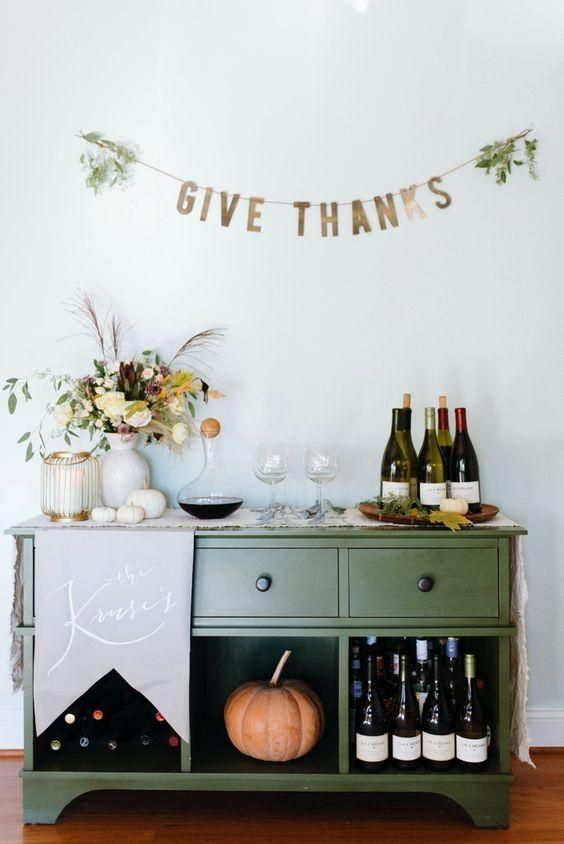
69	485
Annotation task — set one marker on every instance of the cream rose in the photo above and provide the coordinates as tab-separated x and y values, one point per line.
63	414
179	432
147	373
137	414
111	403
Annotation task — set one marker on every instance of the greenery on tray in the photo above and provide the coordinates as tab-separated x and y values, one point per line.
106	163
124	395
500	156
398	505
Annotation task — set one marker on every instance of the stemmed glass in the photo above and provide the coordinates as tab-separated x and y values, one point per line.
321	464
271	467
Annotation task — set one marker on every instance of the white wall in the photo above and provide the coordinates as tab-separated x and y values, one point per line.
301	99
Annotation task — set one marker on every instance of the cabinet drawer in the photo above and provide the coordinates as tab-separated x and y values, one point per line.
385	583
303	582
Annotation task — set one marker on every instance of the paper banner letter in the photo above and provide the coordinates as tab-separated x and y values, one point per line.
185	199
301	206
228	210
359	218
431	184
411	206
386	209
332	218
206	204
254	214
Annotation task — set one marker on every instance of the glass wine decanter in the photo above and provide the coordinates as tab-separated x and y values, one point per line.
213	495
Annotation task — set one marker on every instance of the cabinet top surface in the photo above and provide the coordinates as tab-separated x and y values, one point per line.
244	523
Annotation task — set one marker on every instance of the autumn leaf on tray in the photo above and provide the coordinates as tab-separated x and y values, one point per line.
450	520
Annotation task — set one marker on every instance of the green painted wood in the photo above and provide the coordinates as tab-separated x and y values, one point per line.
383	582
304	582
311	572
343	691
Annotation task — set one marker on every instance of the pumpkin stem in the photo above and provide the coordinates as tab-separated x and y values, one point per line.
279	668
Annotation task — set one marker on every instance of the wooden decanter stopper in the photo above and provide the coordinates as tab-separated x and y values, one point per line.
210	428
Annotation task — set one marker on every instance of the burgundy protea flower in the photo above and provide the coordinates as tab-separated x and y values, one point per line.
127	376
153	389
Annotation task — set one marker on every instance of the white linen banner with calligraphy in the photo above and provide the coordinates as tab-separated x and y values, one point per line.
113	599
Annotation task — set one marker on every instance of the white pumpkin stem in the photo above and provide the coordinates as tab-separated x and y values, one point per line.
280	668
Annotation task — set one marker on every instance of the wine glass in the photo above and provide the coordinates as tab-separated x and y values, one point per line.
271	467
321	465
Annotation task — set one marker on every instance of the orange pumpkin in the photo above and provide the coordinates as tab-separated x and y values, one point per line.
275	721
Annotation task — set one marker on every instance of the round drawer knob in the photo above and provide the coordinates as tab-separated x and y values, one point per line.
425	584
264	582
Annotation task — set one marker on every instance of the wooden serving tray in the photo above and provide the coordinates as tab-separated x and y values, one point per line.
488	512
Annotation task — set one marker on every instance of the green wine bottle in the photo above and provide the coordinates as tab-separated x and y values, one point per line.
396	469
470	724
444	438
431	473
437	725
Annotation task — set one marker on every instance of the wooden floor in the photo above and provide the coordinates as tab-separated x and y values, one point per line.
537	815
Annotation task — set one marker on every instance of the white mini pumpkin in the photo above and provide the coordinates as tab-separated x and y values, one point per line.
152	501
103	514
454	505
130	514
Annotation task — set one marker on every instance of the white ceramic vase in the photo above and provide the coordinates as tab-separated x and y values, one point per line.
122	470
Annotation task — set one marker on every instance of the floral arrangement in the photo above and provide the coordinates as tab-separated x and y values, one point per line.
142	394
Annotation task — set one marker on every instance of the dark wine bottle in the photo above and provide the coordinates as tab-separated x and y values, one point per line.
371	727
464	470
386	688
55	745
431	473
444	438
406	428
406	723
437	725
421	675
470	723
355	686
111	698
452	677
396	469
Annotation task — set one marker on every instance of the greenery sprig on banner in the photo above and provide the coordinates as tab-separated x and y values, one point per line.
500	156
106	163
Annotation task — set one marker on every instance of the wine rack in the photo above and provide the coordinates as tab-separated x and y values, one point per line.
325	587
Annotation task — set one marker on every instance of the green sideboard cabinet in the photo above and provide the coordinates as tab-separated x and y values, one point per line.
259	591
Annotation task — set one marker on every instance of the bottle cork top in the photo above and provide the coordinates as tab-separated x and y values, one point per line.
407	400
442	401
210	428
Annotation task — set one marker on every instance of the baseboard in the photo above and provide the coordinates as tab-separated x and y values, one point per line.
546	727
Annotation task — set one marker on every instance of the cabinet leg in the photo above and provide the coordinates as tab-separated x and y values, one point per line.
44	801
486	803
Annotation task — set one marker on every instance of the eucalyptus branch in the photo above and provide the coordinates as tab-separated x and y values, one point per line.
499	156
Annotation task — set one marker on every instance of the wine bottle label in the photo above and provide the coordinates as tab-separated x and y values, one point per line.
438	748
406	749
431	494
471	750
356	688
372	748
469	491
390	488
421	697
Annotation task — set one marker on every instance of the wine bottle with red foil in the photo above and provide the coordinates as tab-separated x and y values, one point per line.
371	726
431	473
437	725
405	422
444	438
396	469
406	723
470	723
464	470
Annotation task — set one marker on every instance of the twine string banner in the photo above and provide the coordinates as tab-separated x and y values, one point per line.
384	205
